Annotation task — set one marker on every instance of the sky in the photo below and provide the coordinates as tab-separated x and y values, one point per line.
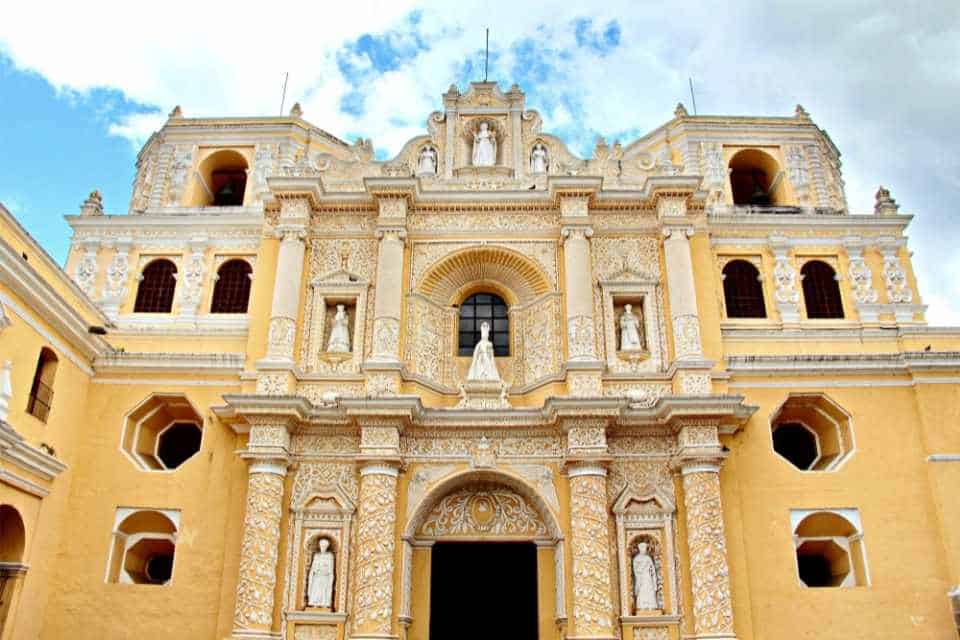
80	94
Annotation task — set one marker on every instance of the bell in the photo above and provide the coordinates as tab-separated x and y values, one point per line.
759	196
227	192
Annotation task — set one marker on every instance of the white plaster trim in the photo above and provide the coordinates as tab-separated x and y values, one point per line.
943	457
172	382
379	469
15	449
23	484
55	342
274	468
904	363
700	467
191	363
850	514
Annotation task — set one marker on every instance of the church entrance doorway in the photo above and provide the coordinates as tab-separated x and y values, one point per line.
483	590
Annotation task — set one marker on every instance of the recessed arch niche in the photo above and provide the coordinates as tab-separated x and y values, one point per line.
534	315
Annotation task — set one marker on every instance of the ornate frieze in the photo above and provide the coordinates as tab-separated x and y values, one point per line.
426	254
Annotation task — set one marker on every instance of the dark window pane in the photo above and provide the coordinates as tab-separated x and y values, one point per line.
466	324
483	298
500	311
474	311
821	292
155	293
501	339
467	311
484	311
231	293
500	325
743	291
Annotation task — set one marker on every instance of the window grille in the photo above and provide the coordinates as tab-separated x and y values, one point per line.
155	293
480	308
743	291
231	293
821	292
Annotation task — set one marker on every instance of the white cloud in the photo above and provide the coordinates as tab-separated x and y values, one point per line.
882	80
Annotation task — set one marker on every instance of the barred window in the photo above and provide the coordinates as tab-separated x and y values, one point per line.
821	292
742	290
41	391
480	308
157	286
231	293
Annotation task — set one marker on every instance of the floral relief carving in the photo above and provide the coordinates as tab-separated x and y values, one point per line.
709	573
479	221
280	337
259	551
268	435
315	632
580	333
313	477
695	384
373	573
311	444
895	277
115	287
584	386
272	384
483	509
785	278
428	347
192	279
381	385
386	337
178	174
589	526
86	274
641	395
651	633
686	336
614	257
862	280
540	340
427	254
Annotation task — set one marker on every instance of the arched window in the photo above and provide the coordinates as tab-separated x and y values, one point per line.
742	290
157	286
41	391
480	308
829	548
221	180
821	292
231	293
144	546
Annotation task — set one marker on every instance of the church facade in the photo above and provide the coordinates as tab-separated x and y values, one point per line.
486	388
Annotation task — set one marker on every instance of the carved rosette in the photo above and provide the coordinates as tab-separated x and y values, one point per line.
373	573
259	551
589	535
709	573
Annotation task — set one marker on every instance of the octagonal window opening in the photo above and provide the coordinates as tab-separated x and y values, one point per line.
829	548
162	433
177	443
144	546
812	432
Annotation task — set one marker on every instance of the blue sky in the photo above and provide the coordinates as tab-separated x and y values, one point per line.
79	95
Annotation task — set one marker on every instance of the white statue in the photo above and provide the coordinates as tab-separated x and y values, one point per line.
644	580
340	333
630	330
484	147
483	367
538	159
320	582
427	162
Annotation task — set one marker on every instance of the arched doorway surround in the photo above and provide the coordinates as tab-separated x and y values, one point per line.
12	568
481	505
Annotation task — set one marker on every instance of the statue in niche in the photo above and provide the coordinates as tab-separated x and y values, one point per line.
320	581
483	368
630	330
538	159
644	580
340	333
427	161
484	147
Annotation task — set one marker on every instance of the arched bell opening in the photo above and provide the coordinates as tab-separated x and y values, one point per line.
756	179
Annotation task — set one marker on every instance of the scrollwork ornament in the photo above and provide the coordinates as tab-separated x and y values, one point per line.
686	336
280	337
580	332
259	552
592	603
862	280
895	277
373	570
785	278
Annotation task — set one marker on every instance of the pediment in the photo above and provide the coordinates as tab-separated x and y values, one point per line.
645	501
339	277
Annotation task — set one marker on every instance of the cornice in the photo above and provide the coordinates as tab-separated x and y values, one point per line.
802	222
15	450
175	220
46	303
904	363
172	363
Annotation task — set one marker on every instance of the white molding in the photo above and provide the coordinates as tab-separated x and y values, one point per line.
173	363
904	363
15	450
943	457
274	468
23	484
586	469
379	469
164	382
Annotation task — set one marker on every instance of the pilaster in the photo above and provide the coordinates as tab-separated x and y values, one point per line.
861	281
786	281
191	280
268	455
593	614
118	274
374	568
699	459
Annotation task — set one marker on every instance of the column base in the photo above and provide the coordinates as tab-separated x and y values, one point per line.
374	636
590	637
712	636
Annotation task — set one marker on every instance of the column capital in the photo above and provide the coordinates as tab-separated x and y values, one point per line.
269	439
394	233
576	232
677	231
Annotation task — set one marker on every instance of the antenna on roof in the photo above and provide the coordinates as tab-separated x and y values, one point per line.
486	57
693	97
283	98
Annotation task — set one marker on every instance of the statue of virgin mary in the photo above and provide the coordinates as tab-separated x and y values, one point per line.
484	147
483	368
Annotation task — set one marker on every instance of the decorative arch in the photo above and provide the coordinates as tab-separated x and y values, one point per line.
756	178
517	277
484	478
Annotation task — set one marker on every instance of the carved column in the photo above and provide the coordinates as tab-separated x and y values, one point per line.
593	614
292	230
267	451
681	287
700	458
376	530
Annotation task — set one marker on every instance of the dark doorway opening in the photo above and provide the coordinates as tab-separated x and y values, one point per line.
483	590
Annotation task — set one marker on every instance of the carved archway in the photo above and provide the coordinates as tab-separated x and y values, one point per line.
449	511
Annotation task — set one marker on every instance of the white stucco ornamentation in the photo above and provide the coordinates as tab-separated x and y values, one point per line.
786	293
258	552
862	280
492	510
320	583
86	273
589	533
895	278
373	572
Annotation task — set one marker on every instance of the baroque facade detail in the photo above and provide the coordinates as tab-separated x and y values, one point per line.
373	575
259	552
